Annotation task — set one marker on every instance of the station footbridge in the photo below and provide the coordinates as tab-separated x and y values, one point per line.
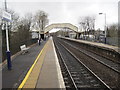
61	25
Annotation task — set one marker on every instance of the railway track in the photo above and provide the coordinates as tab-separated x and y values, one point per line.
75	73
108	63
107	70
112	56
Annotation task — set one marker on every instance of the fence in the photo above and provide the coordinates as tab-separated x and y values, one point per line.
113	41
15	47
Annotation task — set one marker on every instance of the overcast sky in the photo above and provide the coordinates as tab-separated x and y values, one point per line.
69	11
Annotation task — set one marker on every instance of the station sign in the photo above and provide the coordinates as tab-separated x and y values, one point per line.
6	16
0	16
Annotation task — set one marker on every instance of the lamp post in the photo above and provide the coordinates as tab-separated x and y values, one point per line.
93	31
84	32
105	29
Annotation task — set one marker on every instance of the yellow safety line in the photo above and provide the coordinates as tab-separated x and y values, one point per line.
30	70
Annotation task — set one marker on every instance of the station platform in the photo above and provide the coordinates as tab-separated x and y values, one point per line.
102	45
21	63
45	71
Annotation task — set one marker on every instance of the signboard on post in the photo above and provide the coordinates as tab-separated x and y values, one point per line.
0	16
6	16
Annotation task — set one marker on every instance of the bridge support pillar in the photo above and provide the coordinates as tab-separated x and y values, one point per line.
78	35
42	36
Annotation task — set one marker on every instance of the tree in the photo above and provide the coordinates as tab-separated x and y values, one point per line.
87	23
41	20
112	30
24	28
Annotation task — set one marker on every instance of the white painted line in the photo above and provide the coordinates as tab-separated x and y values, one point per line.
60	77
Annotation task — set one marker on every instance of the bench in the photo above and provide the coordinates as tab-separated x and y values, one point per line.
24	49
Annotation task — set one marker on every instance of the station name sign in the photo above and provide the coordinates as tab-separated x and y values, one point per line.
6	16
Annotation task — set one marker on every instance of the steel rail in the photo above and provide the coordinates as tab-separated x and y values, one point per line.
73	82
107	87
94	58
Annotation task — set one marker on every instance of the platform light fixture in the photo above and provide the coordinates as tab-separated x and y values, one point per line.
105	29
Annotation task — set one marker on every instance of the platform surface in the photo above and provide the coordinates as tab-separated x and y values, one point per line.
20	65
102	45
46	71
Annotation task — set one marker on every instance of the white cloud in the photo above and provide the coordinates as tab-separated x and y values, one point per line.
69	10
87	1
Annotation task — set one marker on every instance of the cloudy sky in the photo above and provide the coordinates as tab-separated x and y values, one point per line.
69	11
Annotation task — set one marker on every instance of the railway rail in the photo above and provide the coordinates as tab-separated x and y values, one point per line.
101	51
107	62
106	69
75	73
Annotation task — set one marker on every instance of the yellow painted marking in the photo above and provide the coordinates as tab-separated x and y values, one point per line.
32	80
30	70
